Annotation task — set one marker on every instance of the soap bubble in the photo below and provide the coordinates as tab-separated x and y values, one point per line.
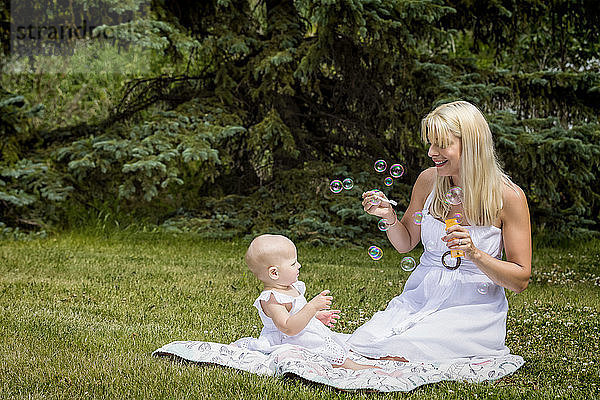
458	217
348	183
418	217
383	226
396	170
336	186
375	253
408	264
388	181
375	201
454	196
380	165
483	287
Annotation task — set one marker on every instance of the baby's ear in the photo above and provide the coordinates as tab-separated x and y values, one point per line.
273	272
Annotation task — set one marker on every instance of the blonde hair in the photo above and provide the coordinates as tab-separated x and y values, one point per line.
482	177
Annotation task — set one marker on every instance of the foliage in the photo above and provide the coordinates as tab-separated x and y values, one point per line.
23	183
332	219
565	163
249	108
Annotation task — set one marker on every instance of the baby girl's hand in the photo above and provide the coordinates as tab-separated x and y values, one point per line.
321	301
329	317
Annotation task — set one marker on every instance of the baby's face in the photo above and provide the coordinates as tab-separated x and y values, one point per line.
286	261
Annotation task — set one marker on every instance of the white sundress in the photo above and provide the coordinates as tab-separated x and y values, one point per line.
315	337
442	314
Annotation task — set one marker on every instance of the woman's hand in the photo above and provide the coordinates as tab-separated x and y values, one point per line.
458	238
374	206
329	317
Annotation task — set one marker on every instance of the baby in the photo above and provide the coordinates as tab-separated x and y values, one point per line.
286	315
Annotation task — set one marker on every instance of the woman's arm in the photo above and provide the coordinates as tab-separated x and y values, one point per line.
514	273
293	324
404	234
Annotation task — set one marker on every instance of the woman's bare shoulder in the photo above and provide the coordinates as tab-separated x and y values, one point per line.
424	183
512	195
514	201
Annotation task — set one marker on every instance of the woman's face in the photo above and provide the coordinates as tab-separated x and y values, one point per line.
447	160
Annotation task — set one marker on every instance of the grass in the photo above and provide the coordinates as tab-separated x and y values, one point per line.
81	313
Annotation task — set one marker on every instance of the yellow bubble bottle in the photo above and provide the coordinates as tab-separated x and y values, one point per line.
454	253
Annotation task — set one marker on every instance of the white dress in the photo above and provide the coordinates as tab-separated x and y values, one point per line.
442	314
315	337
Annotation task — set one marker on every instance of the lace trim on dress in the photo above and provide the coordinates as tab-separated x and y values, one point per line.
334	353
281	298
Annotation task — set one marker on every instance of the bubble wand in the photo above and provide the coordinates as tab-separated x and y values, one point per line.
392	202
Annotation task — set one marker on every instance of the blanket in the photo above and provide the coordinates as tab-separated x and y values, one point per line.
289	360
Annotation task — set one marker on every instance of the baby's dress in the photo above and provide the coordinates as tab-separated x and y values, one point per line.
442	314
315	337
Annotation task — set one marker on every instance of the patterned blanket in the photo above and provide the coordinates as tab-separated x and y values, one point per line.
390	377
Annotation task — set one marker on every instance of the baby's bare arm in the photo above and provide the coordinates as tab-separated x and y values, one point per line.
293	324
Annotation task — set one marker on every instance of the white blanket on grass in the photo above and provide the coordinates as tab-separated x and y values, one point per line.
296	361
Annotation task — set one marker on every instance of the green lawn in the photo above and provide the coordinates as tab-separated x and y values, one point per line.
80	315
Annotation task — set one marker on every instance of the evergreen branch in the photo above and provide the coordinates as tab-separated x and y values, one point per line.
139	95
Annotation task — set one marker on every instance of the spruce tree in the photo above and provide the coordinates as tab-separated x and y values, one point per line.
279	97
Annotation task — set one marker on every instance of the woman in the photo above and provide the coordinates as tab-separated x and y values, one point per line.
446	312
